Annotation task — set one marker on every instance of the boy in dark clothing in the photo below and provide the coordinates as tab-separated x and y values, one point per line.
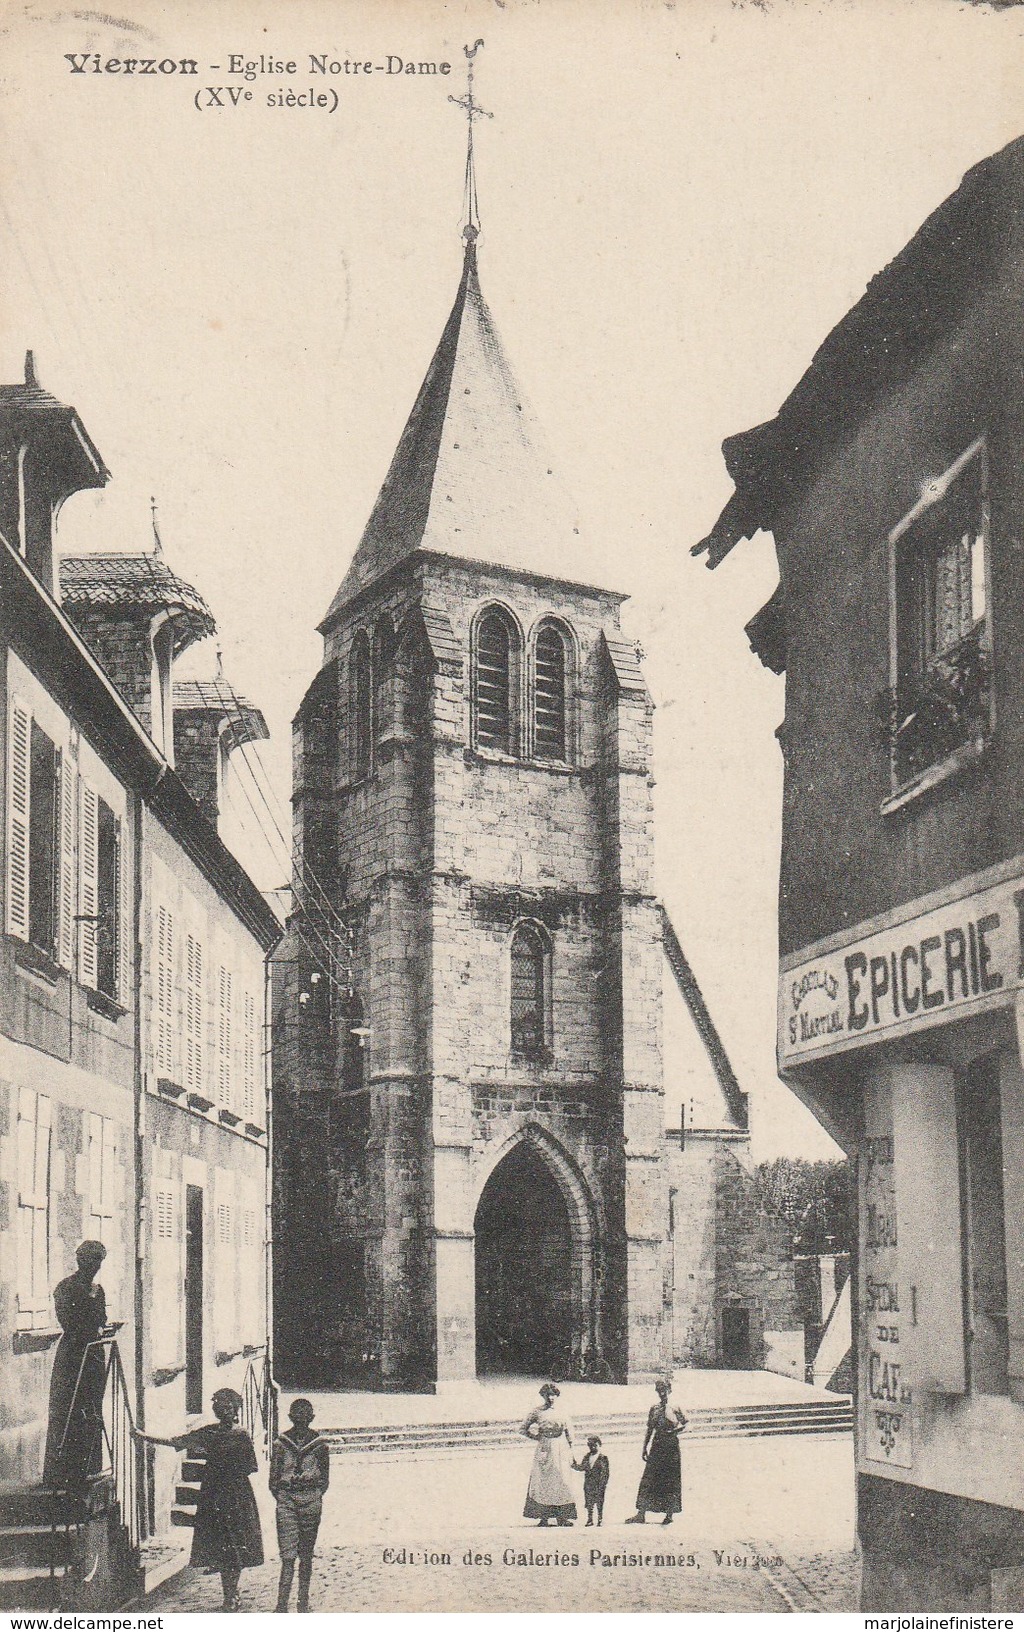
595	1469
300	1472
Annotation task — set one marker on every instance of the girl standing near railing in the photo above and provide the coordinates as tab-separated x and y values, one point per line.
226	1536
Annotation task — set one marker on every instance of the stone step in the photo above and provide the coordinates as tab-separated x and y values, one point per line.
31	1504
797	1417
34	1544
26	1586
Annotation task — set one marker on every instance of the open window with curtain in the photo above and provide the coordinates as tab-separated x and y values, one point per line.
551	691
494	685
530	992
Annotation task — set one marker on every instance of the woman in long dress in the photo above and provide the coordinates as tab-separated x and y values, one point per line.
661	1485
74	1433
226	1536
548	1495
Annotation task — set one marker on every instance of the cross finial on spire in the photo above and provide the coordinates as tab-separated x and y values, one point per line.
158	548
473	111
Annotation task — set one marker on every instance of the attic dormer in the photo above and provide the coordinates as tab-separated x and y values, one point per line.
138	616
46	455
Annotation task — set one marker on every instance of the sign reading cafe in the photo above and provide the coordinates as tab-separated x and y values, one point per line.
945	954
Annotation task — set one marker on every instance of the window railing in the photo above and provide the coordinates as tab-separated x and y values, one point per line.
942	708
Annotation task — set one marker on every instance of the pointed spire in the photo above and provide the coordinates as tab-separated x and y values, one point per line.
31	377
220	664
158	548
473	111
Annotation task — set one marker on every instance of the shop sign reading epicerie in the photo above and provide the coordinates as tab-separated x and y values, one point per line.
962	952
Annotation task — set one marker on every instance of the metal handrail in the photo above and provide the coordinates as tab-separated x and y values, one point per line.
122	1455
259	1404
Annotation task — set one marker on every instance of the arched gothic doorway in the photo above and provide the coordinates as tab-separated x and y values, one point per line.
526	1300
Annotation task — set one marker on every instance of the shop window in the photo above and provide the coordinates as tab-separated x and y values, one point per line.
984	1228
550	693
941	697
494	680
530	992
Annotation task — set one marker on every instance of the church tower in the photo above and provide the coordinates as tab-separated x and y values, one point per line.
468	1013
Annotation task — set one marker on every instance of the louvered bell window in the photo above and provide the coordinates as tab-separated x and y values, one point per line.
549	694
493	697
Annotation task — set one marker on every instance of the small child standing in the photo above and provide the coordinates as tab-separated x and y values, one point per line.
300	1472
595	1469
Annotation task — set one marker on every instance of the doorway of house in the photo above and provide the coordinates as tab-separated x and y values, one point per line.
193	1298
736	1339
524	1291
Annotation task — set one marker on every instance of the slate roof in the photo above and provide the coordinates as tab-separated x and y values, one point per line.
907	308
143	581
68	443
686	980
218	697
470	477
625	662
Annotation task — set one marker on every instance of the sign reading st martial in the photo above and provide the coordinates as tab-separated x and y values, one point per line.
958	950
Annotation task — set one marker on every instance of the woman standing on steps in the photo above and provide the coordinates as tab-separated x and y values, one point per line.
226	1536
548	1495
661	1486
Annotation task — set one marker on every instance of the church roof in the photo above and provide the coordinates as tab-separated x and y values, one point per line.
470	477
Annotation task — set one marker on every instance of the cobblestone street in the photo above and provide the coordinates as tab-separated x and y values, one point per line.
767	1525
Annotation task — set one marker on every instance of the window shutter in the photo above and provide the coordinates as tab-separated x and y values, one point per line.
125	921
194	1015
88	891
926	1165
41	1241
26	1214
164	993
249	1063
18	737
224	1095
66	862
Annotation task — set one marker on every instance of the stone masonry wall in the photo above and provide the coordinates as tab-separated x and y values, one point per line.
444	848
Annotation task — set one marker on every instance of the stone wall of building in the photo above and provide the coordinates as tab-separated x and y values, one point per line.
443	849
727	1250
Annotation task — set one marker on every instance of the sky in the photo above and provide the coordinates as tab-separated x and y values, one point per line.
678	202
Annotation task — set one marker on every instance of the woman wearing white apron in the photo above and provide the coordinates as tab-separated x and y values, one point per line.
548	1495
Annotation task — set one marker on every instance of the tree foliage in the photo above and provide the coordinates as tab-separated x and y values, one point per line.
818	1200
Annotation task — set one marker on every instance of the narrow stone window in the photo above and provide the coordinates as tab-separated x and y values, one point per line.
383	676
529	1007
361	706
549	694
493	685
